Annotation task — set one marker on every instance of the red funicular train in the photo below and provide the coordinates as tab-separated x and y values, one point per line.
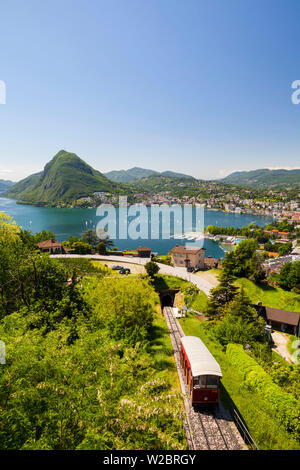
201	370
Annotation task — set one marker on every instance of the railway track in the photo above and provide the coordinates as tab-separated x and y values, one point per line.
205	430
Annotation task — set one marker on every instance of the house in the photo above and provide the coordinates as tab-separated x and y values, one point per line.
188	257
52	246
281	320
144	252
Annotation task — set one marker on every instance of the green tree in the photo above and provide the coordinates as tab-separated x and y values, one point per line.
90	237
81	248
152	269
220	296
289	276
104	245
240	323
244	261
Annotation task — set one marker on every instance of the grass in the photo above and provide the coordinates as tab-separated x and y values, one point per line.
199	302
259	417
165	282
270	296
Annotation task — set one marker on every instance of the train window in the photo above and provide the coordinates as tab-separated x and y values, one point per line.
199	382
212	381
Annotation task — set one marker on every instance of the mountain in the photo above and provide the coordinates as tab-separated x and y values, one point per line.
64	179
125	176
264	177
5	184
136	173
158	182
172	174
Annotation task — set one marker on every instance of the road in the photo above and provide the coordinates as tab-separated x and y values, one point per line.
202	284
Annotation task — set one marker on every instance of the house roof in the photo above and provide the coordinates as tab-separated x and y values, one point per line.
282	316
185	250
49	244
143	248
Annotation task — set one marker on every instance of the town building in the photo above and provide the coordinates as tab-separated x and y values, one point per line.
188	257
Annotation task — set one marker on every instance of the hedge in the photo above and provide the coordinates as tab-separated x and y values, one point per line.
287	408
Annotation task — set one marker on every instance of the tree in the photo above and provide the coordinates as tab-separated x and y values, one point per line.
90	237
240	307
152	269
256	271
244	261
43	236
9	230
235	330
103	245
289	276
240	322
81	248
220	296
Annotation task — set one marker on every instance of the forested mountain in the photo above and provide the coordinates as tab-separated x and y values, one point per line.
159	182
64	179
125	176
5	184
264	177
136	173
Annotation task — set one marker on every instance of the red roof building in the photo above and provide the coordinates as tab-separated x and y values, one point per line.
51	246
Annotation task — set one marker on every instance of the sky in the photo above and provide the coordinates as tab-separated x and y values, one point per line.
197	86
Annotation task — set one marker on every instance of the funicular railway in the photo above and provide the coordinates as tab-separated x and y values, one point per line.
206	426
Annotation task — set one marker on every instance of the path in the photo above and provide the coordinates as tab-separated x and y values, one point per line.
202	284
281	341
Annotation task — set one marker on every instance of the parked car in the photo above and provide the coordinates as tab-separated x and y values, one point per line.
117	268
124	271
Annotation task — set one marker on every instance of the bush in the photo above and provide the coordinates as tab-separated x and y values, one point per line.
235	330
286	406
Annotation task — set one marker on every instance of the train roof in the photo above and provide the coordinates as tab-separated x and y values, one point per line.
201	360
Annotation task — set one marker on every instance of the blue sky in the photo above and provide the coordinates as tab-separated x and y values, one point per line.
202	87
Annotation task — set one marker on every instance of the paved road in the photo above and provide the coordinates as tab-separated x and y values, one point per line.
202	284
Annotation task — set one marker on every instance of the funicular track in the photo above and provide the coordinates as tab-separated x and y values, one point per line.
205	429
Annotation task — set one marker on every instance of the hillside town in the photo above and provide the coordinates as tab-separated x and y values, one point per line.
277	204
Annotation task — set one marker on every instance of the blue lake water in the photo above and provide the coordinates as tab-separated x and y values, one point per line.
67	222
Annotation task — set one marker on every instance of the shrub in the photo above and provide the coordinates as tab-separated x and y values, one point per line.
286	406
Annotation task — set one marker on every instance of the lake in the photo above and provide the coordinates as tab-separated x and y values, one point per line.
67	222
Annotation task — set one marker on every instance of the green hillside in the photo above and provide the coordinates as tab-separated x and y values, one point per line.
125	176
157	183
136	173
64	179
265	177
5	185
